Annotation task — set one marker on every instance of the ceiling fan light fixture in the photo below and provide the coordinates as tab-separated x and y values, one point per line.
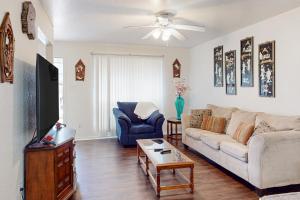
156	34
166	35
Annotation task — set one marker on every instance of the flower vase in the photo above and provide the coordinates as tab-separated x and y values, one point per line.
179	104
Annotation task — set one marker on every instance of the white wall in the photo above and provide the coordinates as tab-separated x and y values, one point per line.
78	96
285	29
17	102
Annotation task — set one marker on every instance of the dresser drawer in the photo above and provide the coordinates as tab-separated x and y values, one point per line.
64	167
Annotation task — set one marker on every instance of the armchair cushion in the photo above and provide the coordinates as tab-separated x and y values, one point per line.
141	128
128	109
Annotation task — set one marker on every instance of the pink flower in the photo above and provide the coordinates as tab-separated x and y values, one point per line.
180	86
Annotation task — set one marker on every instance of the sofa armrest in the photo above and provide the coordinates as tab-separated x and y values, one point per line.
119	115
185	123
156	120
273	159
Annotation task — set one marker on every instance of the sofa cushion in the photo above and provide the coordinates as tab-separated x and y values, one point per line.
218	111
197	134
239	117
128	108
141	128
236	150
214	140
197	117
279	123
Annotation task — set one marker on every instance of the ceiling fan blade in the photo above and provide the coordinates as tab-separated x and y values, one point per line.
188	27
143	26
176	34
149	34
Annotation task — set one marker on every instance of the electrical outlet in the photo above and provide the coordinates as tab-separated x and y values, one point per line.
22	192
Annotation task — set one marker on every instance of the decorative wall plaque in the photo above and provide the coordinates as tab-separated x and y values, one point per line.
230	72
80	71
266	69
218	66
247	62
176	69
7	49
28	19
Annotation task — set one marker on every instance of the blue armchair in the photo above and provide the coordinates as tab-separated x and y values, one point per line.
129	127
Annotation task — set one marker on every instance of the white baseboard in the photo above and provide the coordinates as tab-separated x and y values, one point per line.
94	138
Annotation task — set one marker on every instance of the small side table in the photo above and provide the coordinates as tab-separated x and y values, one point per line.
171	135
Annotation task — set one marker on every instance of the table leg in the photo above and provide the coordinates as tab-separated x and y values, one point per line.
174	171
168	130
171	132
158	182
176	134
147	165
192	179
138	152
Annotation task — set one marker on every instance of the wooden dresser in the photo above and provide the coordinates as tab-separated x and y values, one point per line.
50	170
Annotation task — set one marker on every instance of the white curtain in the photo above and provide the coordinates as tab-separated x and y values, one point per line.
124	78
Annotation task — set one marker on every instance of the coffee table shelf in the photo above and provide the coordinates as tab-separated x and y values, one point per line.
172	161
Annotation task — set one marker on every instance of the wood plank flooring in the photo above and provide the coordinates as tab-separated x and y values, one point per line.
108	171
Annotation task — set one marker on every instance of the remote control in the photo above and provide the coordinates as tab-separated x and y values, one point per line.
165	151
156	150
158	141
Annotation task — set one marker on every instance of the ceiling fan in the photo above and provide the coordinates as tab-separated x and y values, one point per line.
165	28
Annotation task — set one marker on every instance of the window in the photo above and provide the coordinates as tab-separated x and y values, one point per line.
58	62
124	78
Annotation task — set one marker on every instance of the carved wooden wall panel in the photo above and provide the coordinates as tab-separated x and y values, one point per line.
176	69
7	48
80	71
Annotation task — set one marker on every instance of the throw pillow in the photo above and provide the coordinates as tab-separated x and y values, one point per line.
263	127
218	124
205	122
213	124
239	117
243	133
197	117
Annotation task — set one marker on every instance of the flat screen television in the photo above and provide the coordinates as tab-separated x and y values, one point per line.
47	102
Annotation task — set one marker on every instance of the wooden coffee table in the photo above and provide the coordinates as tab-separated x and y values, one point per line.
172	161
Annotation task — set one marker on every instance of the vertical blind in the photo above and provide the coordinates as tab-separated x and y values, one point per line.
124	78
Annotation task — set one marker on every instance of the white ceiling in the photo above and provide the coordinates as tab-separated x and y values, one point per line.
103	20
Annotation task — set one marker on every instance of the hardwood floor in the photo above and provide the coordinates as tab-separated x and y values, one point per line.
108	171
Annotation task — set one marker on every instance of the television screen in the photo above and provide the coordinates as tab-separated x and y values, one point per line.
47	111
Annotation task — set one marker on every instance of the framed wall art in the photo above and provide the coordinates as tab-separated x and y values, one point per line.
176	69
218	66
7	50
247	62
230	72
266	69
80	71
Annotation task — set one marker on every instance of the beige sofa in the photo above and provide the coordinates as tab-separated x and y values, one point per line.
269	159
